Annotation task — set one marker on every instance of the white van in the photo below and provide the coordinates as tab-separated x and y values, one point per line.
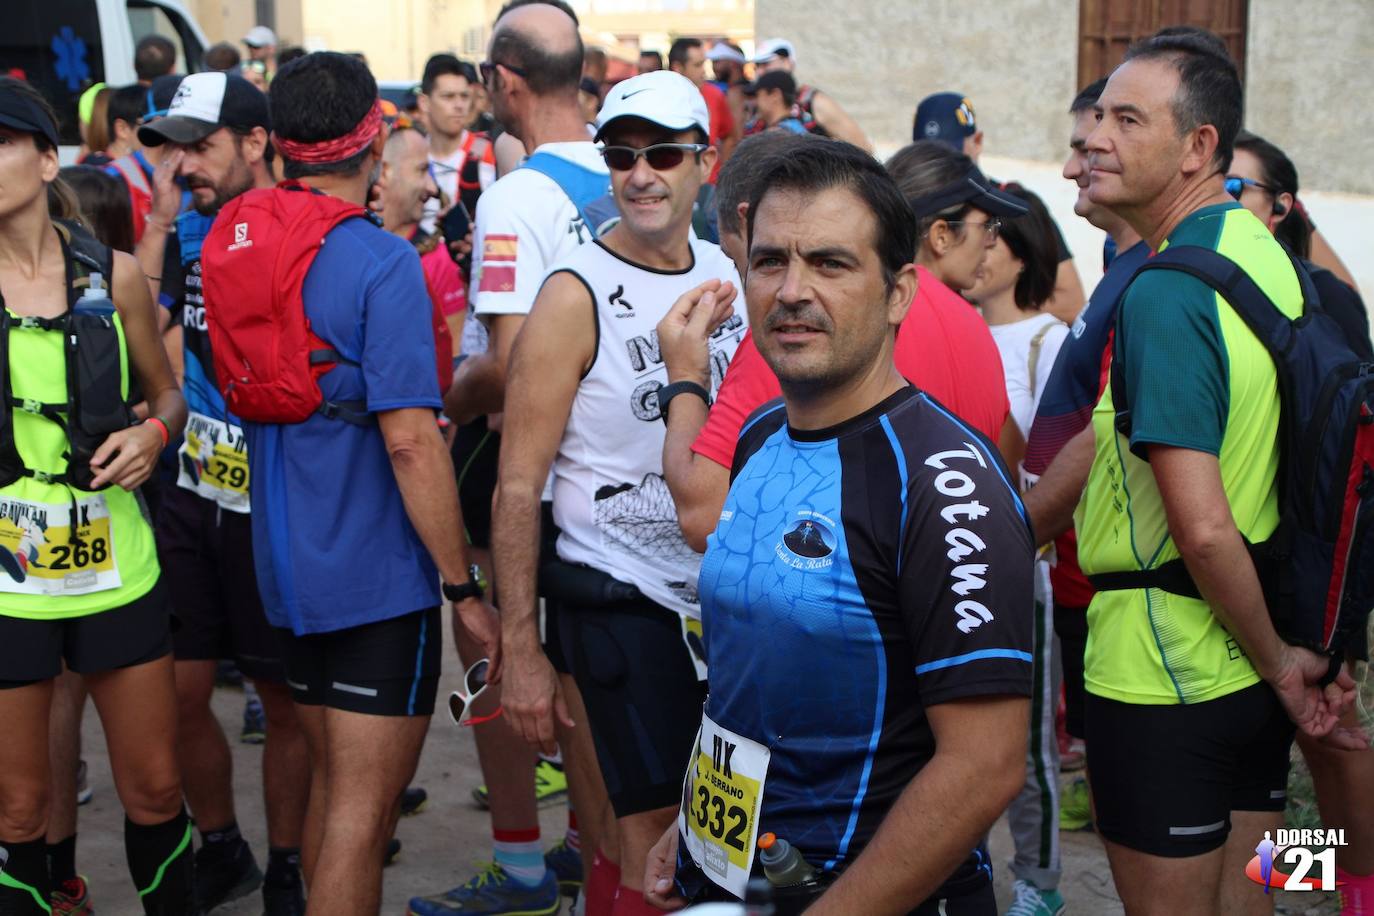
63	46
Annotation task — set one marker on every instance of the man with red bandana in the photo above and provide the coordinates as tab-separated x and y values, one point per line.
350	574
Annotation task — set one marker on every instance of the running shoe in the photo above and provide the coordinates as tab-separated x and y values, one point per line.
413	800
221	877
1075	806
84	793
285	899
566	865
1031	901
393	849
491	893
227	674
254	720
550	785
1073	756
72	898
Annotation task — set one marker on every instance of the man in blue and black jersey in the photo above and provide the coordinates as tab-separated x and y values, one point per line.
866	597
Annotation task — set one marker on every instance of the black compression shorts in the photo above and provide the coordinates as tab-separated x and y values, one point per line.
207	562
1071	626
643	699
388	668
34	650
1165	779
475	450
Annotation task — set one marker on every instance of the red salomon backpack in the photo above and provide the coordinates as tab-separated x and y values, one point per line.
254	261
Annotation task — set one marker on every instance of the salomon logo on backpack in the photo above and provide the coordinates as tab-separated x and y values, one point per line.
1317	568
254	261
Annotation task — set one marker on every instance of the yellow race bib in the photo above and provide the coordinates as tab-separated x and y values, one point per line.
719	818
213	462
40	556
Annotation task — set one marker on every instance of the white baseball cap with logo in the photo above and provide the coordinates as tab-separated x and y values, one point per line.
260	36
772	48
205	102
661	97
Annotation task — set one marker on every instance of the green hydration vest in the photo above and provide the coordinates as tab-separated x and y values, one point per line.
65	549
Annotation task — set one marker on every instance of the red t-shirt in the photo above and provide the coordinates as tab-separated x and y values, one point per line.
943	348
445	281
722	121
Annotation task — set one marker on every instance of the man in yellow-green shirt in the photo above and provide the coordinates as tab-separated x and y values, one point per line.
1191	702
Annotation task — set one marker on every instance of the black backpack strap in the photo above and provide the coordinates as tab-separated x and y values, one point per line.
1173	577
354	412
1252	304
1274	330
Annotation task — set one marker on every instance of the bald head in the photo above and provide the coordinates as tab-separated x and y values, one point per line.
540	38
403	143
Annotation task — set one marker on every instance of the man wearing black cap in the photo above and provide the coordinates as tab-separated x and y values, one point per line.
775	94
817	110
216	138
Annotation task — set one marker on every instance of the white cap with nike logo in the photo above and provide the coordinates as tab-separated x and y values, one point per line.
661	97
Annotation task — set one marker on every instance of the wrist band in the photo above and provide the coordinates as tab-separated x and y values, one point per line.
668	392
161	428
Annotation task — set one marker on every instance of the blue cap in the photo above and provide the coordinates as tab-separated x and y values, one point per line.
945	116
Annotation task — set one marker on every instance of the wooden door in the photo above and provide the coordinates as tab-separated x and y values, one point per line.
1106	28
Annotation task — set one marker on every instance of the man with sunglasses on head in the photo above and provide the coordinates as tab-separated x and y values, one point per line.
588	392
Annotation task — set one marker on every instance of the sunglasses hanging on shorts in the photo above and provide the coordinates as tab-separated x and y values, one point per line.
661	156
474	685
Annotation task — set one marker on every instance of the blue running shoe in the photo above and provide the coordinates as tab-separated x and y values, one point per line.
254	719
492	893
566	865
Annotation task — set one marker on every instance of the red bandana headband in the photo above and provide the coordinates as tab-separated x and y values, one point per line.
338	149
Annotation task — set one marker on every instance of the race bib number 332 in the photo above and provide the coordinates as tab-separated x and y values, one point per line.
719	819
40	556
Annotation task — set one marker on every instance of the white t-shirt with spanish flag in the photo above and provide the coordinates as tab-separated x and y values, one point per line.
525	225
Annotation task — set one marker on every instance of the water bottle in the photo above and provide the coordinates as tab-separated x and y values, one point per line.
95	300
783	865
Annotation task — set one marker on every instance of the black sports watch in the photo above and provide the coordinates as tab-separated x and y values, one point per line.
475	587
668	392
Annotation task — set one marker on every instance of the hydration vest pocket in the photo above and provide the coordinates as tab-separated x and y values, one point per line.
95	356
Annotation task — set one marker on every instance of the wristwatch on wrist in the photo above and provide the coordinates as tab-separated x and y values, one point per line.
670	391
475	587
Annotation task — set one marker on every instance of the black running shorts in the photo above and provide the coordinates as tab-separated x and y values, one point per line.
1071	626
552	641
207	562
642	695
388	668
475	450
1165	779
34	650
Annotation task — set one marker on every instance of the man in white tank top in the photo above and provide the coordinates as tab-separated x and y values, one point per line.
586	395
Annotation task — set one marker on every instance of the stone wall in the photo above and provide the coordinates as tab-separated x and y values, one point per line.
1307	87
1016	60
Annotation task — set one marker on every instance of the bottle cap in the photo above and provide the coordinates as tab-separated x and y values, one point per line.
767	840
97	289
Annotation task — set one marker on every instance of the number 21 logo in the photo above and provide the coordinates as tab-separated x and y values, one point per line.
1263	871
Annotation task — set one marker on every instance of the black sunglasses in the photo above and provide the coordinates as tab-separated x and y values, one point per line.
488	67
661	156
